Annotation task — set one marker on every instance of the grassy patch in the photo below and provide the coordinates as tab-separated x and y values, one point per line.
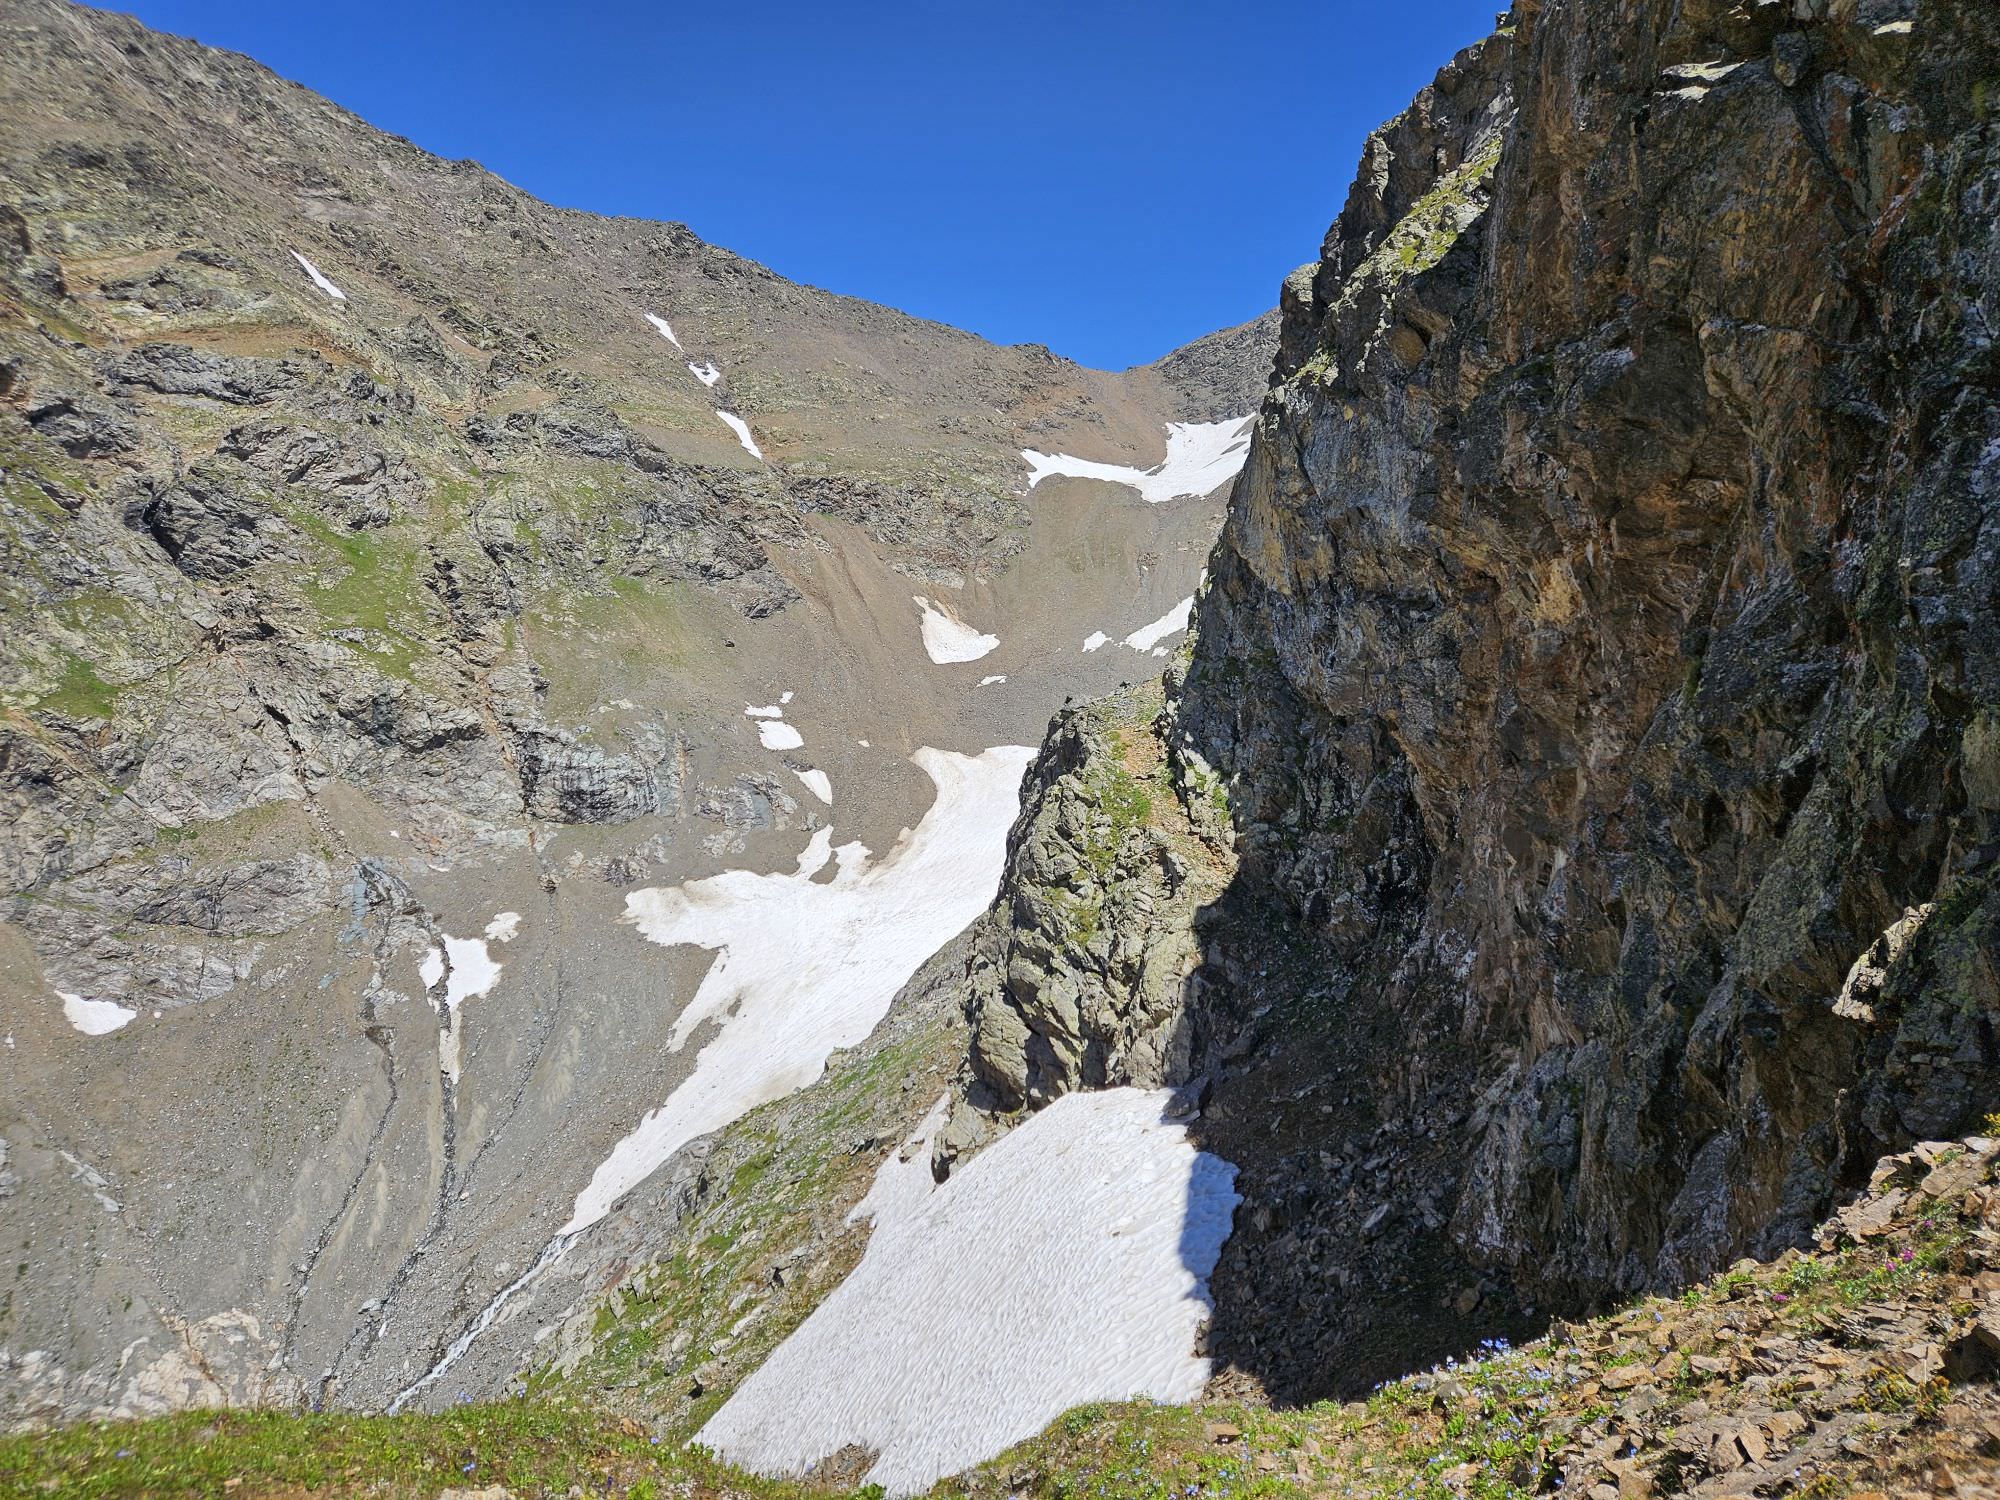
750	1265
532	1448
367	583
79	693
25	463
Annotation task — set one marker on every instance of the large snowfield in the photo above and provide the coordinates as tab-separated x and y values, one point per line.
1067	1263
1201	457
848	944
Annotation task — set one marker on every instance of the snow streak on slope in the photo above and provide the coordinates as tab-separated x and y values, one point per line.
706	372
742	430
820	784
849	944
950	640
1173	622
1067	1263
319	278
1201	456
666	329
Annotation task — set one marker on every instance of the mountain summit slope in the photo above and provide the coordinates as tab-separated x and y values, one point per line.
406	583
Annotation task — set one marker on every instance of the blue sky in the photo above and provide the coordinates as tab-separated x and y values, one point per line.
1108	177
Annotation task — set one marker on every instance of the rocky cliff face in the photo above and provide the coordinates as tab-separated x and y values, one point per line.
1599	670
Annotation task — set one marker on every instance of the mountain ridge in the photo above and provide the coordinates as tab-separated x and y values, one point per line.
400	574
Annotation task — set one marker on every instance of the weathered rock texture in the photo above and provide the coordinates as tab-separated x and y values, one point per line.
1600	658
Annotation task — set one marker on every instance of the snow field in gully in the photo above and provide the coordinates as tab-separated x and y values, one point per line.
1066	1263
806	966
1201	457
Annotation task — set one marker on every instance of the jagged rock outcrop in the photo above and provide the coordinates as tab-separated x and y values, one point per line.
1599	657
1084	977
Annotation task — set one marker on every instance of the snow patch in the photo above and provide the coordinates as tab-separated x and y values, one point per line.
705	372
666	329
94	1017
504	927
1201	457
850	943
778	735
1095	639
742	430
767	711
989	681
319	278
470	973
1066	1263
948	639
820	786
1173	622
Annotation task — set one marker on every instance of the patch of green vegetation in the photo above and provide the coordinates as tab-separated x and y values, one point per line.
531	1448
91	610
452	500
1425	235
79	693
1418	242
1125	807
751	1172
794	1172
635	632
1964	896
28	468
369	585
252	825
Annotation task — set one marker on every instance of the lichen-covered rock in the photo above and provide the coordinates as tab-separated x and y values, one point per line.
212	526
183	370
1079	978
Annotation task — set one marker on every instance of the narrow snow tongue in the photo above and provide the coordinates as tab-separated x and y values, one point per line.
319	279
742	430
1069	1262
